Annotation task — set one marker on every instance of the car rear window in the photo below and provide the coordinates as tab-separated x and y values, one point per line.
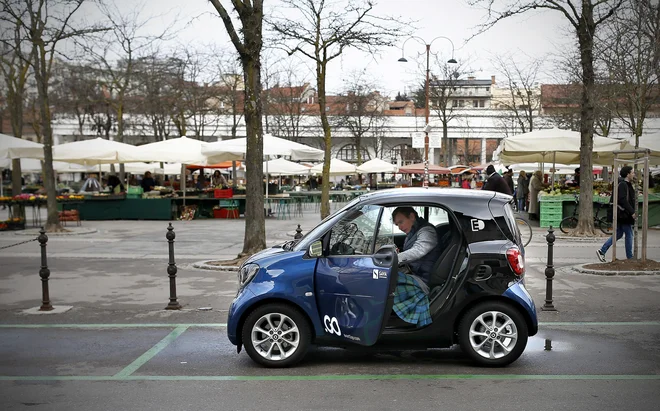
505	219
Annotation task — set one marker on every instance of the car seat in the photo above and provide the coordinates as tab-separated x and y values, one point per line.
449	240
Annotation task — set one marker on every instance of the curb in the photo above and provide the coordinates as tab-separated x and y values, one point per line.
33	232
203	265
580	269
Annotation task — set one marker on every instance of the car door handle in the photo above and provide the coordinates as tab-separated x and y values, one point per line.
383	260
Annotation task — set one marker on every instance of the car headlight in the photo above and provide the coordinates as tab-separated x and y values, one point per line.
246	274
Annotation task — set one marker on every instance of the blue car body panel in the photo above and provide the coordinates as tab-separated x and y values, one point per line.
282	275
519	294
352	294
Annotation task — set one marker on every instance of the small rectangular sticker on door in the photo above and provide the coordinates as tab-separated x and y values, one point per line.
379	274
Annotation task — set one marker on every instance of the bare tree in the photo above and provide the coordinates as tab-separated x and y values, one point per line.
585	18
229	89
287	100
15	69
43	27
321	31
445	98
629	49
116	52
523	99
363	112
249	45
75	93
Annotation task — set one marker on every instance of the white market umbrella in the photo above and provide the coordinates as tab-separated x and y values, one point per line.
337	167
550	146
9	144
176	150
86	152
273	146
282	167
31	165
377	166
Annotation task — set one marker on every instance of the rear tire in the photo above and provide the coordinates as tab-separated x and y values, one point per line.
605	226
276	335
568	224
525	230
493	334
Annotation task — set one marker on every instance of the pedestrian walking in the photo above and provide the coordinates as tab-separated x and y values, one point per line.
626	215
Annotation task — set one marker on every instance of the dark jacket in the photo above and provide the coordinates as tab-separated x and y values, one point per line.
148	183
495	182
626	201
421	267
509	181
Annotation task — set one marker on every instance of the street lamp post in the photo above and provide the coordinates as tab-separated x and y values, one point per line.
426	95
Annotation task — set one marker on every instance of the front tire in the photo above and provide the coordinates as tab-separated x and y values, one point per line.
276	335
568	224
493	334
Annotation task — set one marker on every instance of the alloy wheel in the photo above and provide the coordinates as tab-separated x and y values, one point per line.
275	336
493	335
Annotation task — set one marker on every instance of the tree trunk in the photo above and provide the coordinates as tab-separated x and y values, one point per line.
41	78
255	224
585	33
327	138
445	144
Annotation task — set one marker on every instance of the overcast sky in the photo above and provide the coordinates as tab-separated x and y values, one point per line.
532	35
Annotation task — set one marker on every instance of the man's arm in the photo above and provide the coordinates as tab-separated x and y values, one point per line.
426	241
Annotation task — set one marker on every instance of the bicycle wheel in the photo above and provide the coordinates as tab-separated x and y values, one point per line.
604	225
568	224
525	230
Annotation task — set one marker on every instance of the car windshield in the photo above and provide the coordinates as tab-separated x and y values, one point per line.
323	226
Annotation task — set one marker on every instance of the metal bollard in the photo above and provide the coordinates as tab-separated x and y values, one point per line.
549	272
298	233
44	272
171	270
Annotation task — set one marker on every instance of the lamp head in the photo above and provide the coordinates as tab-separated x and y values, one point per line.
452	61
402	60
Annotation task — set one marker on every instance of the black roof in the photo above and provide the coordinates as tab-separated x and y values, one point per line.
432	194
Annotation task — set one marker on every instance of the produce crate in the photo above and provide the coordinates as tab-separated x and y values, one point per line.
547	222
135	190
225	213
223	193
552	214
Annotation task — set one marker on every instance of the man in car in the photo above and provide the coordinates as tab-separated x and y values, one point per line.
420	251
495	182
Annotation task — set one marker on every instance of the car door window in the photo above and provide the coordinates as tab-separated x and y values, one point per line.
354	234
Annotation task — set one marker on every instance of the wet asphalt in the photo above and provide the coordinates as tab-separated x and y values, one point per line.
116	348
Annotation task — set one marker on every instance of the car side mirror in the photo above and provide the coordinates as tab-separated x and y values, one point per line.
315	249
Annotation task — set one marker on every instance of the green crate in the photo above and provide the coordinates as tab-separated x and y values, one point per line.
547	222
552	206
552	214
135	190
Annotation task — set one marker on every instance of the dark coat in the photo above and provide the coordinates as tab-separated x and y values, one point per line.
495	182
509	181
626	201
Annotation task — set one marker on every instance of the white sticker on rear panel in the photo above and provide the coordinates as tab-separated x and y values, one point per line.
477	225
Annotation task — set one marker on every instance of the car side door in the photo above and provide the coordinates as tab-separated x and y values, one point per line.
355	278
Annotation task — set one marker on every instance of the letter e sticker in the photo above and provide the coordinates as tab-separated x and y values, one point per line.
477	225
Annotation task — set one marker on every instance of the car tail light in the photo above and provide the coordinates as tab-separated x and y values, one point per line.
516	261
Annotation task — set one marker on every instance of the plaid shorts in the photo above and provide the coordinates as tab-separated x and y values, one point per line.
411	304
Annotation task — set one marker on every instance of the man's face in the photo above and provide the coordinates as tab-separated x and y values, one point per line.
404	223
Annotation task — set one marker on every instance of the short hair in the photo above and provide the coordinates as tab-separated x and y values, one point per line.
406	211
625	170
577	170
490	169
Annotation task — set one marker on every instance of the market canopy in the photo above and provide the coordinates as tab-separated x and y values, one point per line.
377	166
550	145
176	150
9	145
283	167
31	165
86	152
337	168
419	169
273	146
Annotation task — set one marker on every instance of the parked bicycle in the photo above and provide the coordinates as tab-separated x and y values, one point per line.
569	224
525	230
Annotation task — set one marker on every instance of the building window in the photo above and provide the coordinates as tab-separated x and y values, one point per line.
406	154
487	88
475	103
482	103
349	153
461	103
454	103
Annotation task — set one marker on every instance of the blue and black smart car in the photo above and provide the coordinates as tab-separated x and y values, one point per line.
335	286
